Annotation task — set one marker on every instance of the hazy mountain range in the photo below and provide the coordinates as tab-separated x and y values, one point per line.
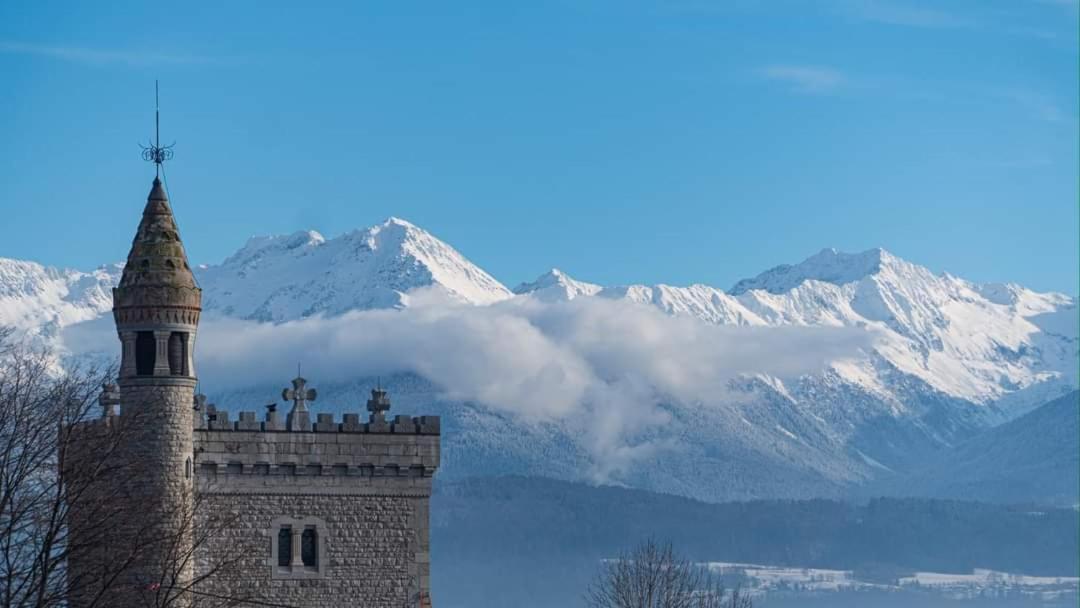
944	361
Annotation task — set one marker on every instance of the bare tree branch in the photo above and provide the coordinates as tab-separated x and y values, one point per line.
65	496
652	576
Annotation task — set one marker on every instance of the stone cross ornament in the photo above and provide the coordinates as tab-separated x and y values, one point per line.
378	405
298	419
299	394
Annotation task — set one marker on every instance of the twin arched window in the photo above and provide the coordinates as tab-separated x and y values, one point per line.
146	353
309	547
297	548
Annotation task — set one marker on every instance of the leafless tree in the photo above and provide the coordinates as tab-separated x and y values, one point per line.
56	469
652	576
37	404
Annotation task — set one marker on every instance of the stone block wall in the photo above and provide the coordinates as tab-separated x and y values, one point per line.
134	480
366	484
375	552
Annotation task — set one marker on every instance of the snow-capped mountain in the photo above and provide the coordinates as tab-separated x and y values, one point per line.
977	342
271	278
951	359
278	278
40	299
706	303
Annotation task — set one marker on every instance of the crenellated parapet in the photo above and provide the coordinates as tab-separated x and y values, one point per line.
295	455
325	460
220	420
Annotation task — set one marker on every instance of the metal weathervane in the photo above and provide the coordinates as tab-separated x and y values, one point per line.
155	152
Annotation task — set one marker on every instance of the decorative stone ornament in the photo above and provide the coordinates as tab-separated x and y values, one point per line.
299	419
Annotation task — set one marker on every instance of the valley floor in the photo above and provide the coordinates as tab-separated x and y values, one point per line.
778	585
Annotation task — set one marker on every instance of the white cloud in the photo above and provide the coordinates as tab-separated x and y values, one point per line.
613	363
806	78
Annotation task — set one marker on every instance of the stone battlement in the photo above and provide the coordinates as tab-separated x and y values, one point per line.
294	455
343	458
324	423
326	449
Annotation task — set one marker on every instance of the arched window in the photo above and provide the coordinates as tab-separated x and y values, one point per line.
284	547
178	353
309	543
145	353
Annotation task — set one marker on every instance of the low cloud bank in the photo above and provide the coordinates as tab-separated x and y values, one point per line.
611	361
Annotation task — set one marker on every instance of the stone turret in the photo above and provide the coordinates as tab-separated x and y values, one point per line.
157	304
156	307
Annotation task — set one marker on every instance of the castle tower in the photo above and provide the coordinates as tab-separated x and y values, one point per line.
156	308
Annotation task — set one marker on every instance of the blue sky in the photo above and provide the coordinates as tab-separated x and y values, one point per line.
622	141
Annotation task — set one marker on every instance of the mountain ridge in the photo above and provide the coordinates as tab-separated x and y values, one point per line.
941	328
979	342
951	358
376	267
1029	455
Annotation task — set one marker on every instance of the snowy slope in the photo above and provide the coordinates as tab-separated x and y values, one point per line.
979	343
40	300
271	278
701	301
1035	458
952	358
279	278
555	285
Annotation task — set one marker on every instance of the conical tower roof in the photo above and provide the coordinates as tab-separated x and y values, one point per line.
157	255
157	275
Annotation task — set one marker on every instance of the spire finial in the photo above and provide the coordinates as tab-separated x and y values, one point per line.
155	152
